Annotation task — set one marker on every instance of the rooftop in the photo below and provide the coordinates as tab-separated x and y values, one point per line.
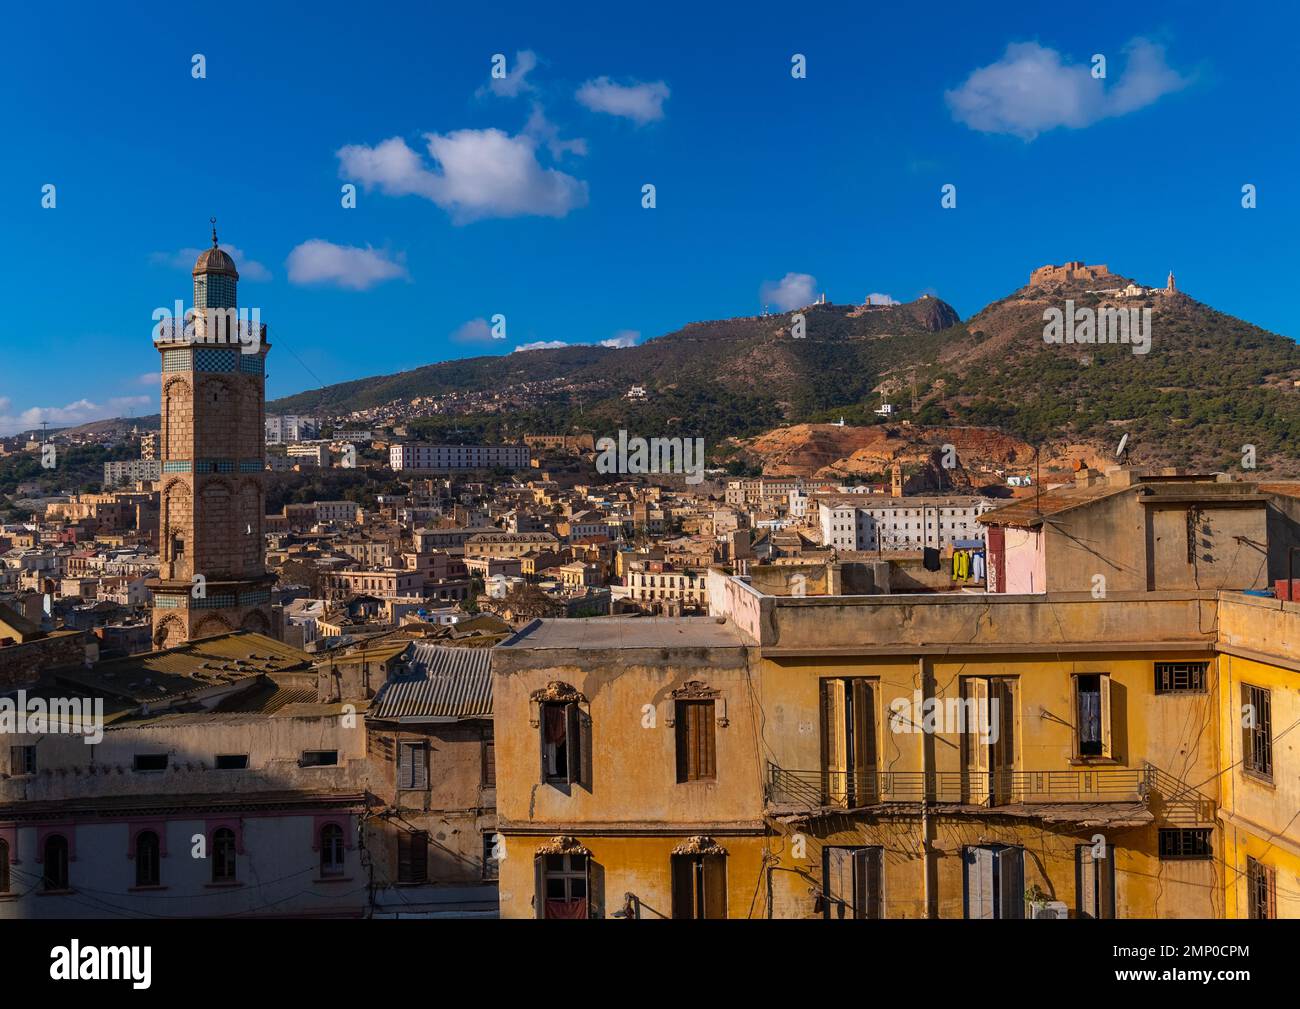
627	632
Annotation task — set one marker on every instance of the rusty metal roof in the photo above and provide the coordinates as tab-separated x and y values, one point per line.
1030	510
435	681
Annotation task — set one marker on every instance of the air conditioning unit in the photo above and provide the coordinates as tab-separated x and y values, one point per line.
1049	909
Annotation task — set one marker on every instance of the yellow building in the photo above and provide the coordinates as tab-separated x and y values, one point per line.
905	756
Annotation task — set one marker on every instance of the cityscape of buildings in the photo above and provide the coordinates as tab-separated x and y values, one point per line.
495	682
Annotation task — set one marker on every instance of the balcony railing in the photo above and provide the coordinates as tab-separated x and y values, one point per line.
850	790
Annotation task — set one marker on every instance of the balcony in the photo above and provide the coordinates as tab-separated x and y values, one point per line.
808	790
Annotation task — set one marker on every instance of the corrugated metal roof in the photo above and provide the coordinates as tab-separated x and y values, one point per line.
436	681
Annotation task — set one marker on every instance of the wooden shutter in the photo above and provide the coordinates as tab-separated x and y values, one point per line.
836	767
977	751
1011	882
572	743
979	882
1085	882
420	765
864	742
1106	884
682	726
1103	681
715	885
419	857
1075	710
837	883
539	886
869	894
683	886
489	763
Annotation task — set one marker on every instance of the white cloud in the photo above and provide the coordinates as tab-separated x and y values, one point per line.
623	338
875	298
83	411
183	259
479	174
149	378
319	262
474	331
642	103
794	290
541	345
542	129
515	82
1032	90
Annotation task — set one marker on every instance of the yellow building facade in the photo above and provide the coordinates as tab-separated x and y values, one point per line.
941	756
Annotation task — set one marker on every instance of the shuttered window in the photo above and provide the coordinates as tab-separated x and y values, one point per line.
696	741
489	763
994	881
561	742
562	883
1094	882
413	765
1261	884
848	708
699	886
853	883
1092	713
412	856
1257	730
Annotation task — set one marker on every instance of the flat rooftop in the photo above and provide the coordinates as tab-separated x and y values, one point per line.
627	632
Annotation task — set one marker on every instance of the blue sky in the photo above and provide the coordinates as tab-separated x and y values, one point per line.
524	198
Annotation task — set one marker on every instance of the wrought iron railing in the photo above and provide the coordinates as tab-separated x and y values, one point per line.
851	790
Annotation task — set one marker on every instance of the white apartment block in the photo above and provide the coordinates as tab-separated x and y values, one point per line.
656	587
282	430
336	512
901	523
443	458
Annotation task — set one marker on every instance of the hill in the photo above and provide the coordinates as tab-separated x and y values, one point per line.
1210	384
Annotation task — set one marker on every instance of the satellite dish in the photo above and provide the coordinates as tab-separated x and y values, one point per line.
1120	452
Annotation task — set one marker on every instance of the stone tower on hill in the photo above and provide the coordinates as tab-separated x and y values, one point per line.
212	576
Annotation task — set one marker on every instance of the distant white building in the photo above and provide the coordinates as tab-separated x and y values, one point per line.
291	427
444	458
885	410
636	392
901	523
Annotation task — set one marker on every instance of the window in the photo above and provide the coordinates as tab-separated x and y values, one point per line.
223	856
1181	677
55	862
1092	715
989	738
561	756
561	885
849	742
697	755
1261	885
147	863
1184	843
150	762
489	763
412	856
1257	731
413	765
22	760
699	886
331	850
491	864
4	866
1094	877
994	881
319	758
853	883
232	761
